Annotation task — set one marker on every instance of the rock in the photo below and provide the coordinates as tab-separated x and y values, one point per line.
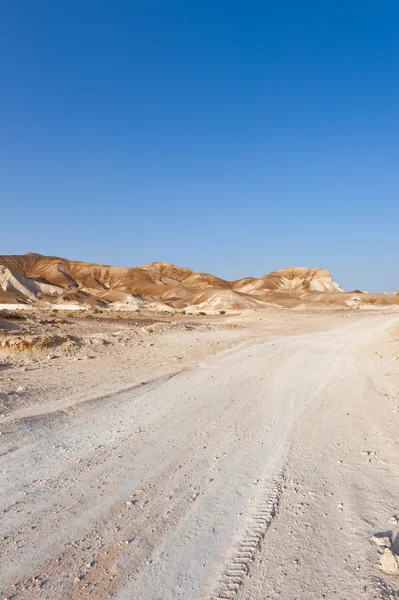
389	563
21	388
382	541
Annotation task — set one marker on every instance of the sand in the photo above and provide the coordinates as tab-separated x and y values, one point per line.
251	456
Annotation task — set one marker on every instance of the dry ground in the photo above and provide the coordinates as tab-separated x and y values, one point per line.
246	456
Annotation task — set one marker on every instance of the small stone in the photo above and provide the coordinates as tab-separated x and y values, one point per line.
389	563
382	541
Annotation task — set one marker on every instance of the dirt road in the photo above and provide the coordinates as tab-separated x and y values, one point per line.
261	473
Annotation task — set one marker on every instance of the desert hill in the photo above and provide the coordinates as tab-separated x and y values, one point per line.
290	279
35	279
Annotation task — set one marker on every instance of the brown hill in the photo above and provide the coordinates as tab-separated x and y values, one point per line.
290	279
43	280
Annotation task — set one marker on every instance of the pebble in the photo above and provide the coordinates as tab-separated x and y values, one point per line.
389	562
382	541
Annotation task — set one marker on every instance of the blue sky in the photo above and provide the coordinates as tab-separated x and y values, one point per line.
232	137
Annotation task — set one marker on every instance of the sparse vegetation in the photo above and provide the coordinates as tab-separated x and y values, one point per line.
97	311
202	313
222	312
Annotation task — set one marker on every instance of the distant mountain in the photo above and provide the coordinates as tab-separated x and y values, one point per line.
43	280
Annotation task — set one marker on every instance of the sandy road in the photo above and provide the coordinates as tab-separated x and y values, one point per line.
261	473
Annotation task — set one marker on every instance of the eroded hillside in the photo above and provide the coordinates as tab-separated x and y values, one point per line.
35	279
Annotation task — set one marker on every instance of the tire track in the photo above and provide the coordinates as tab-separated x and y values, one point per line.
247	549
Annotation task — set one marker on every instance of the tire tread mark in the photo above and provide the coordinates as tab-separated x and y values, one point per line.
246	550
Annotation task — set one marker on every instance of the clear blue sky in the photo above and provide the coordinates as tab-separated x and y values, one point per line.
228	136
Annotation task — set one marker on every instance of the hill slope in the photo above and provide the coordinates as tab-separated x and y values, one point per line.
33	278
